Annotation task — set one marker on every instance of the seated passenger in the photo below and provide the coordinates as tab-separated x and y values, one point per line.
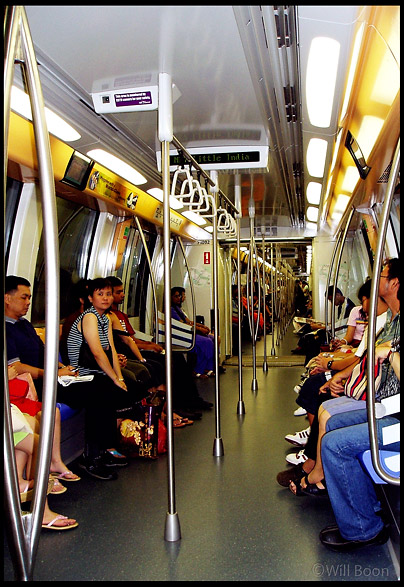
310	343
19	390
25	448
389	384
204	345
186	398
310	397
24	343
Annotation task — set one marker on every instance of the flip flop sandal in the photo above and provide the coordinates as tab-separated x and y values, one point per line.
26	495
187	422
57	488
51	526
178	423
116	454
63	476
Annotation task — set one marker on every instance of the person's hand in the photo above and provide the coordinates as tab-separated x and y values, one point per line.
122	360
119	382
12	372
382	351
68	370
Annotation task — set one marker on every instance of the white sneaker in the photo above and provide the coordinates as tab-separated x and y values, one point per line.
295	458
300	412
297	388
298	438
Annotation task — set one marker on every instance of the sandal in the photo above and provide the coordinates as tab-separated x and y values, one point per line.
51	525
210	373
57	488
63	476
178	423
26	495
312	488
116	454
295	486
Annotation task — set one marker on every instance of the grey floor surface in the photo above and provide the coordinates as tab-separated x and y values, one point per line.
237	523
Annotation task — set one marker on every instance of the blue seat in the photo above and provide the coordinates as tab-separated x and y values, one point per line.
66	412
366	461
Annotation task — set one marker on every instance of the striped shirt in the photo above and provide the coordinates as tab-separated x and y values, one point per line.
75	340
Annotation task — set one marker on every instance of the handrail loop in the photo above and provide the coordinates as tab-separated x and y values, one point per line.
370	398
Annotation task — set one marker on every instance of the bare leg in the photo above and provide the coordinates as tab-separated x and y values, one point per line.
57	465
317	474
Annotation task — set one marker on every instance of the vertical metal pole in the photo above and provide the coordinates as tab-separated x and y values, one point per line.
251	213
273	274
25	536
172	531
237	201
218	450
381	241
264	363
338	264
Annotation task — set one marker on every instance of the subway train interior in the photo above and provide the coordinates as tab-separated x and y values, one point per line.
236	152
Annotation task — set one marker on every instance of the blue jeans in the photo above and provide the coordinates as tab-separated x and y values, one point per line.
351	490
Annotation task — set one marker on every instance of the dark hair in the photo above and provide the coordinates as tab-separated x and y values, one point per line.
93	285
364	290
12	282
331	291
394	271
175	289
114	281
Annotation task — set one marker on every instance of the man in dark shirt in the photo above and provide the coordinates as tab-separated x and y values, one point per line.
25	349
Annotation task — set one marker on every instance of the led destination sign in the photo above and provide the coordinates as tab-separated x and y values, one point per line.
220	158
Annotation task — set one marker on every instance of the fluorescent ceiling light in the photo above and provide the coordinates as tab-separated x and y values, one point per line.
368	133
21	104
209	228
322	66
313	193
315	157
117	166
311	226
387	82
341	204
194	217
158	194
312	214
350	180
352	69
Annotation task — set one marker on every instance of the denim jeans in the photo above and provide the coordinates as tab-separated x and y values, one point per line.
351	490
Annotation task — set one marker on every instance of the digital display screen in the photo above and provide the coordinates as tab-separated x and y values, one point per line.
220	158
78	171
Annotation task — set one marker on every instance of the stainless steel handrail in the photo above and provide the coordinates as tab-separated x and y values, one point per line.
179	240
370	398
18	30
337	243
337	267
153	281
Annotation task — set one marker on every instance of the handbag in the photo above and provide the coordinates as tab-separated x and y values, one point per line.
357	382
139	435
86	357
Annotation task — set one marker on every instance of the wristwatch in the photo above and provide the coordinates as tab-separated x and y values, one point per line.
329	364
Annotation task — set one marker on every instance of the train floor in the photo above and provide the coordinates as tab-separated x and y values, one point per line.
237	523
